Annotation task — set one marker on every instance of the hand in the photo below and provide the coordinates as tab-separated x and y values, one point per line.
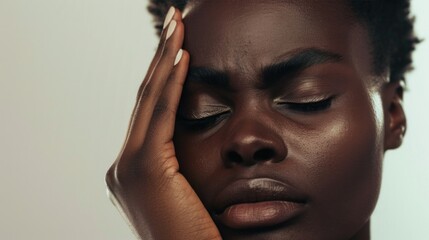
144	182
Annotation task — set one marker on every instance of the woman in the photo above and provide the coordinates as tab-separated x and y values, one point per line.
279	130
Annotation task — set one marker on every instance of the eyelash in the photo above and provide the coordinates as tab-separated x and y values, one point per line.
206	122
308	107
202	123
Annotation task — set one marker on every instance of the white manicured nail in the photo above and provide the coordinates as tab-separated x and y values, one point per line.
178	57
171	28
168	17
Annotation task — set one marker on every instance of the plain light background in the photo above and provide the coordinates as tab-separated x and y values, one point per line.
69	74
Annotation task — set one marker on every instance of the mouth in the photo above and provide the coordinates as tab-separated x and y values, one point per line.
257	203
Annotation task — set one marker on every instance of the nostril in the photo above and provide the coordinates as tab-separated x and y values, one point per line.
264	154
234	157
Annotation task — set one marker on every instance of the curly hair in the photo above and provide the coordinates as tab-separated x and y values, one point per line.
388	22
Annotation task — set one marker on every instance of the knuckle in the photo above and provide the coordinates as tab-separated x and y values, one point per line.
167	50
142	169
120	174
163	108
133	169
123	174
110	178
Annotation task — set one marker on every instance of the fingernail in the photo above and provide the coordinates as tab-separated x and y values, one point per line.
178	57
168	17
170	29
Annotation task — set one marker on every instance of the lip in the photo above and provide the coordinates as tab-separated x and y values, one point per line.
258	202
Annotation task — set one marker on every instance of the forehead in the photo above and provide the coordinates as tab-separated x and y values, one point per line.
227	34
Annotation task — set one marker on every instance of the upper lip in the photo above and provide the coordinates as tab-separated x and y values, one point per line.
256	190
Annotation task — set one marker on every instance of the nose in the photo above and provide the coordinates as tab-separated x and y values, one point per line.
252	143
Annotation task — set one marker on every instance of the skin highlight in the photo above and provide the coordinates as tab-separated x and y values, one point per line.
280	131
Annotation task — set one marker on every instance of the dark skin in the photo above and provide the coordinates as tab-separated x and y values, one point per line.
300	120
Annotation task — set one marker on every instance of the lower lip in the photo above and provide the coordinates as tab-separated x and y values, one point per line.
260	214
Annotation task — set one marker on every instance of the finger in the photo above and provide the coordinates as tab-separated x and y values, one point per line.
171	14
176	20
152	87
161	129
127	163
164	117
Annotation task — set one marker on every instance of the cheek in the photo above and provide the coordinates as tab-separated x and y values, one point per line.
342	161
347	164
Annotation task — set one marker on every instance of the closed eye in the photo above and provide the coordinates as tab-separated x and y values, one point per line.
196	124
308	107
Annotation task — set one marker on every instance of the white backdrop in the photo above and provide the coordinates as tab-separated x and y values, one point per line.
69	73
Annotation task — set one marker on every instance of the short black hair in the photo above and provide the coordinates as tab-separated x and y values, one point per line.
388	22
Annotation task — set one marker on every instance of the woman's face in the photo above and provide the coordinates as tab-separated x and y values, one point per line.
281	129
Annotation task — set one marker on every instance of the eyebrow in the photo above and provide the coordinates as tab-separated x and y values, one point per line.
295	62
208	76
291	63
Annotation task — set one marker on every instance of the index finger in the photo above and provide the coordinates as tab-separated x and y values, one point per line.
153	85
